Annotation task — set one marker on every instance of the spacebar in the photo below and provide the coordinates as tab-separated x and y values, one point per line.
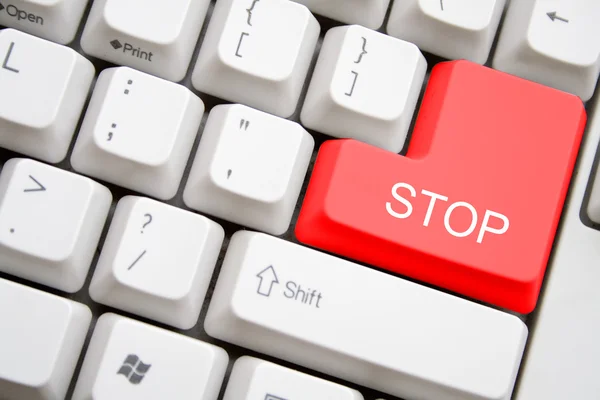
362	325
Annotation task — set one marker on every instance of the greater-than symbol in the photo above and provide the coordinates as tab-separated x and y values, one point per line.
1	7
237	51
39	188
552	15
7	58
136	260
268	278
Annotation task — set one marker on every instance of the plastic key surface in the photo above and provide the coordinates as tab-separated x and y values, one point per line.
43	89
455	29
131	360
474	205
553	43
369	13
257	53
55	20
138	132
50	223
251	378
361	325
40	341
365	87
153	36
157	261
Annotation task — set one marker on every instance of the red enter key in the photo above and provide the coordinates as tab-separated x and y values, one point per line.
474	205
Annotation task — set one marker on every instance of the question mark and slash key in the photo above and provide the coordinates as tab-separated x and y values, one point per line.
148	221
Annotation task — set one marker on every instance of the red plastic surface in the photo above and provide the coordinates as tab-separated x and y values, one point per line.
493	143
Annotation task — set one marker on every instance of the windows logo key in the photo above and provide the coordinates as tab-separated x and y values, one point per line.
133	369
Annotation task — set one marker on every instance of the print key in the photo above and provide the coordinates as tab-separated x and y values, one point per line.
474	205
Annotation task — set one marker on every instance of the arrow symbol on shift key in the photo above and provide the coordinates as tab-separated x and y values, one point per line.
268	278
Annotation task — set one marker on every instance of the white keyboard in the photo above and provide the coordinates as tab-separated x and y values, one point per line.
191	203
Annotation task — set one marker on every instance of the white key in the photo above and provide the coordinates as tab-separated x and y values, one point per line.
48	86
252	378
553	43
369	13
257	52
157	261
138	132
593	208
50	223
149	35
249	168
40	341
302	306
563	355
55	20
365	86
454	29
131	360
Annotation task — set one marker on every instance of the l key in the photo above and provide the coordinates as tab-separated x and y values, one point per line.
44	87
474	205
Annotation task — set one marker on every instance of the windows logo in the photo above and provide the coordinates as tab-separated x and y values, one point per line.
133	369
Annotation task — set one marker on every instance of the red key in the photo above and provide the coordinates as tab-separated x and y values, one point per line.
474	205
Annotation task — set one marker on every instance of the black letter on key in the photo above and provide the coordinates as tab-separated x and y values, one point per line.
5	64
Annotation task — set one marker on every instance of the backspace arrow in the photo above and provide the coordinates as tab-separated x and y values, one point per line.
552	15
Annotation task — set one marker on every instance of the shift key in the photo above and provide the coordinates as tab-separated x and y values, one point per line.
362	325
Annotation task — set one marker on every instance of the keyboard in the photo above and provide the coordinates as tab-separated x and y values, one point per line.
299	200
